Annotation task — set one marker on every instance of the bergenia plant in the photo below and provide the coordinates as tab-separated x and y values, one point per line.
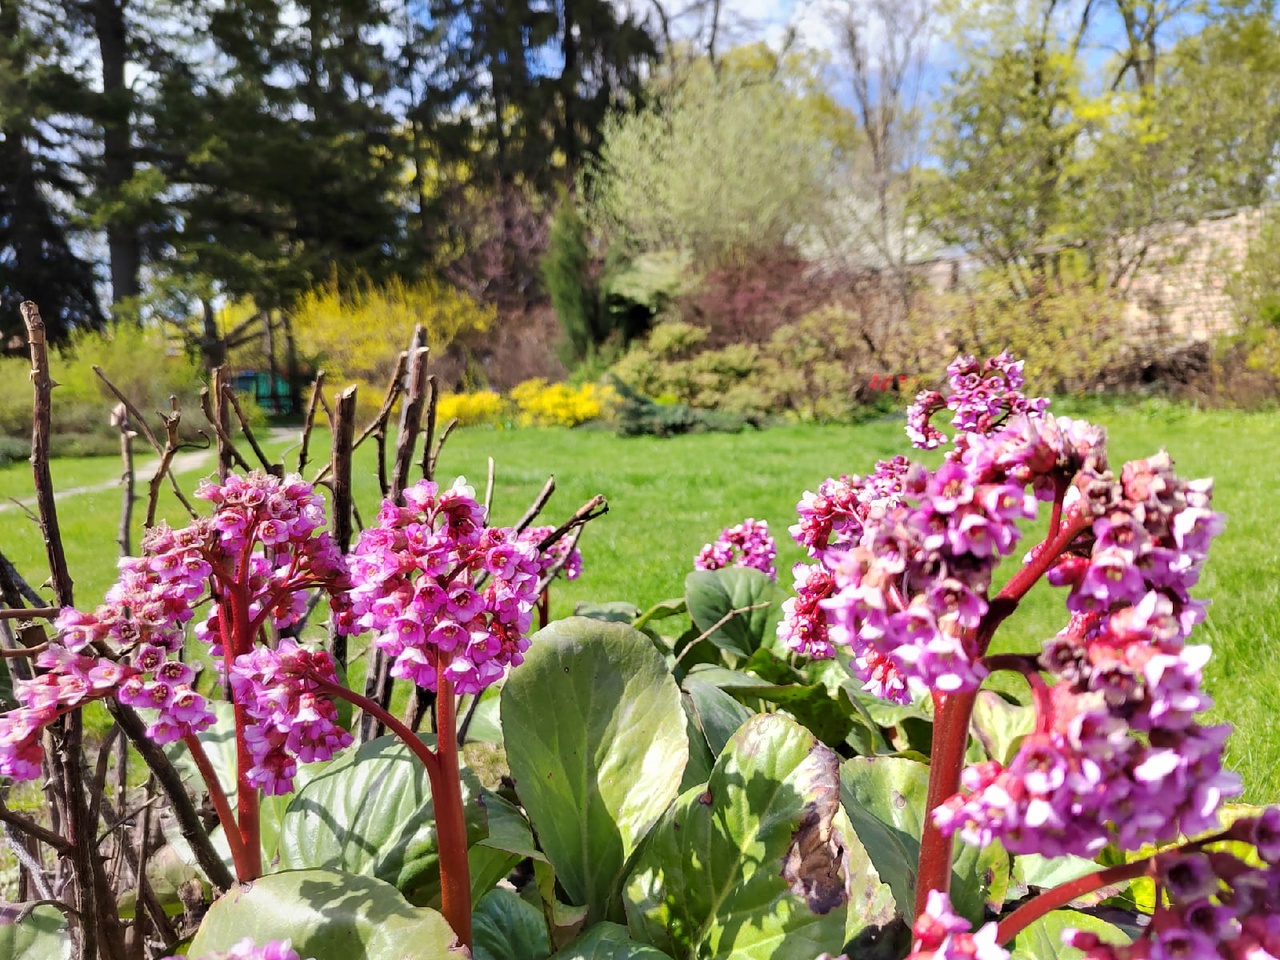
447	596
901	577
747	544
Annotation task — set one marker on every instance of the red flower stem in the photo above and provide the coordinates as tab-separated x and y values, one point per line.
410	739
246	791
950	738
1059	896
451	826
953	711
220	803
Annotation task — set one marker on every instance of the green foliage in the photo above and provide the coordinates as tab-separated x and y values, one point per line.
1042	940
140	361
669	365
638	416
595	737
40	934
708	882
1071	335
370	813
327	915
711	596
13	449
697	170
568	277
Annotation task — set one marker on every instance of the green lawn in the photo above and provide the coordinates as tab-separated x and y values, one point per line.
668	497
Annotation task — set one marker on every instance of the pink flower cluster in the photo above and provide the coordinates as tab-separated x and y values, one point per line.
983	395
445	595
265	539
1118	756
552	556
1139	560
72	680
939	934
914	588
1217	906
748	544
245	950
289	719
262	551
831	521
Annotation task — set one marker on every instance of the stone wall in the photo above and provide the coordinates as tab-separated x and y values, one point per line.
1178	294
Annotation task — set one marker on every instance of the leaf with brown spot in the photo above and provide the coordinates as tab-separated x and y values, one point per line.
760	862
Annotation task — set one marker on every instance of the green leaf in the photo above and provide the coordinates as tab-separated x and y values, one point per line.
509	831
596	742
1042	940
504	927
828	718
327	915
713	594
1045	873
486	725
761	862
370	813
608	941
1000	725
891	791
864	736
662	610
39	935
718	714
615	611
701	759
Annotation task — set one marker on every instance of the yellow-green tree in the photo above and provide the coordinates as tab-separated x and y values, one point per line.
356	332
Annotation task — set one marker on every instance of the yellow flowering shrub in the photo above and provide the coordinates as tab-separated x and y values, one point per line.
471	409
542	404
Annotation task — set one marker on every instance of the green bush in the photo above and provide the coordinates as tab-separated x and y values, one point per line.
637	416
140	361
1071	335
13	449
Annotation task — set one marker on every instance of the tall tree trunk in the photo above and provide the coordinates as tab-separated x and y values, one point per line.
569	86
123	244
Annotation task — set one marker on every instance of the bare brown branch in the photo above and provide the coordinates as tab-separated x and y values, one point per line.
309	421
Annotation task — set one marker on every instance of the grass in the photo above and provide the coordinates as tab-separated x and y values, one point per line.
668	497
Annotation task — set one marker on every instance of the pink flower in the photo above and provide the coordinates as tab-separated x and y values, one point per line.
1215	904
746	545
245	950
941	935
444	594
289	718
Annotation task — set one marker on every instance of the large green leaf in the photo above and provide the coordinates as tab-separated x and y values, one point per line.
608	941
885	800
713	594
829	718
370	813
508	928
761	862
1042	940
40	934
596	741
327	915
719	715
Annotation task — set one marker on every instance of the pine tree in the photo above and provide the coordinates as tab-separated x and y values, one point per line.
37	261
